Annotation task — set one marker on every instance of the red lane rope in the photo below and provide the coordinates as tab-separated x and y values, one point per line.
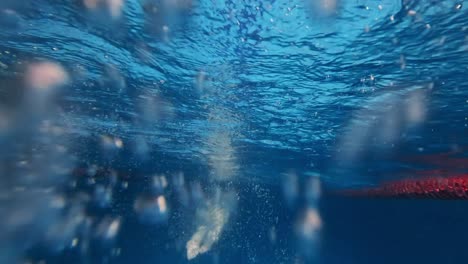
455	187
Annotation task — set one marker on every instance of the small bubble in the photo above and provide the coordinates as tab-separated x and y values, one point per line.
310	224
178	180
74	242
151	210
92	170
91	181
402	62
290	187
201	80
102	196
272	235
109	228
116	252
112	78
114	7
162	204
197	194
159	183
45	75
118	142
58	202
313	191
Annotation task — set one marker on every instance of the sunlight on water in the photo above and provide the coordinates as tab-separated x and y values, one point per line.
159	131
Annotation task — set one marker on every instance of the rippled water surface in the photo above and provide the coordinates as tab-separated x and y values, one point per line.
158	131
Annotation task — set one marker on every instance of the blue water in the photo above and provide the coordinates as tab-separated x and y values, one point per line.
256	110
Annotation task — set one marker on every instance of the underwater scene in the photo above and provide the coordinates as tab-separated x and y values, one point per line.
233	131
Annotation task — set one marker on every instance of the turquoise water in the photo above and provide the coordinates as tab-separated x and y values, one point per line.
221	131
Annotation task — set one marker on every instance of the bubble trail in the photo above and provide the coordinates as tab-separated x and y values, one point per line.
442	188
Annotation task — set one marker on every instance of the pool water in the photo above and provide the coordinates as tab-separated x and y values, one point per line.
177	131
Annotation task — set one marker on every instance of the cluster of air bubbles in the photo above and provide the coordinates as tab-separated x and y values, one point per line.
159	184
45	76
163	16
303	196
141	148
180	189
65	205
197	193
153	108
102	196
211	219
113	80
35	162
213	209
313	191
202	82
189	195
152	207
70	201
222	156
323	8
111	7
59	234
308	231
387	118
297	190
88	220
290	188
110	143
107	230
